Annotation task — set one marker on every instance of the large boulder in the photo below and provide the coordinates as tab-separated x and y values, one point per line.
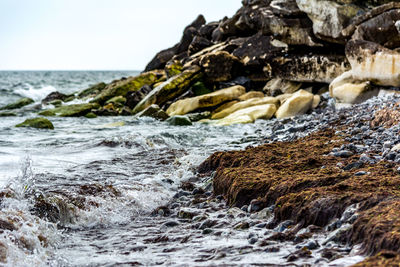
307	68
74	110
170	89
125	85
219	66
159	61
329	18
373	62
18	104
245	104
249	115
209	100
39	123
299	103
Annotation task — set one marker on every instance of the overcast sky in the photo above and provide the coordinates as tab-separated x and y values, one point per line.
96	34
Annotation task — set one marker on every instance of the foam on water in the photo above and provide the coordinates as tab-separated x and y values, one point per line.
35	94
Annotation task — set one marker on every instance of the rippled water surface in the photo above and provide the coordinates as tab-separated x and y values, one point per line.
106	178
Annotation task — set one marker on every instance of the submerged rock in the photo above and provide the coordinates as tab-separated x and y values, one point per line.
179	120
18	104
74	110
170	89
39	123
184	106
299	103
54	96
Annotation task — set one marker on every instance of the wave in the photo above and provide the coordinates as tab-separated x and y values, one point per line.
35	94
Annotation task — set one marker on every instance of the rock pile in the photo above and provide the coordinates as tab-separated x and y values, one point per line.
292	51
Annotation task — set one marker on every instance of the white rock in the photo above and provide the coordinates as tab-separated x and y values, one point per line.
249	115
299	103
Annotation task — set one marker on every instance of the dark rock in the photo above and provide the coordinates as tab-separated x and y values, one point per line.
153	111
343	154
179	120
198	44
53	96
207	30
92	91
199	116
241	80
134	97
219	66
171	224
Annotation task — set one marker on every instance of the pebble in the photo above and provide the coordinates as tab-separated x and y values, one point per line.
253	240
343	154
361	173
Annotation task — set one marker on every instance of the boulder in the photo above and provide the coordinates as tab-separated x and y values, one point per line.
54	96
199	116
18	104
278	86
75	110
209	100
153	111
246	104
307	68
328	17
125	85
199	43
250	95
92	91
179	121
219	66
249	115
170	89
159	61
299	103
134	97
373	62
39	123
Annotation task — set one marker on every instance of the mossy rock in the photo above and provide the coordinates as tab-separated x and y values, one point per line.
18	104
179	120
56	103
170	89
39	123
91	115
125	85
75	110
92	91
7	114
117	99
200	89
69	98
173	68
153	111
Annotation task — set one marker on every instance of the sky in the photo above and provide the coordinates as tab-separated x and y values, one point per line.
96	34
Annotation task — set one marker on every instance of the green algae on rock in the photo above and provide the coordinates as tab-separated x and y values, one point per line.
170	89
92	91
125	85
74	110
18	104
39	123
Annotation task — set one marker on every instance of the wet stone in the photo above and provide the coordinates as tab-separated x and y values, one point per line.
171	224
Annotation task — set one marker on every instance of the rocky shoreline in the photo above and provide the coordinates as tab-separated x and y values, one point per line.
327	181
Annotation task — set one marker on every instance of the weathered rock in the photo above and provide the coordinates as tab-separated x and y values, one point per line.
372	62
18	104
75	110
53	96
153	111
134	97
125	85
249	115
39	123
258	49
159	61
179	120
246	104
92	91
351	92
315	68
209	100
278	86
193	117
225	106
170	89
198	44
172	68
250	95
299	103
219	66
117	100
329	18
56	103
241	80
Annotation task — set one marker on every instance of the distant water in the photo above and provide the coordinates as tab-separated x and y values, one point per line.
38	84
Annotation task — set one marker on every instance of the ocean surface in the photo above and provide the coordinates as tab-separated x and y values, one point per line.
106	176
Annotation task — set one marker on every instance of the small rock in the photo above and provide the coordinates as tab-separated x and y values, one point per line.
40	123
179	120
171	224
343	154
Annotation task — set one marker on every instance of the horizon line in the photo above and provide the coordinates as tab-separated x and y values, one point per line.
70	70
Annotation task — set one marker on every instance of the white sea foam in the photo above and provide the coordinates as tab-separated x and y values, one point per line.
36	94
